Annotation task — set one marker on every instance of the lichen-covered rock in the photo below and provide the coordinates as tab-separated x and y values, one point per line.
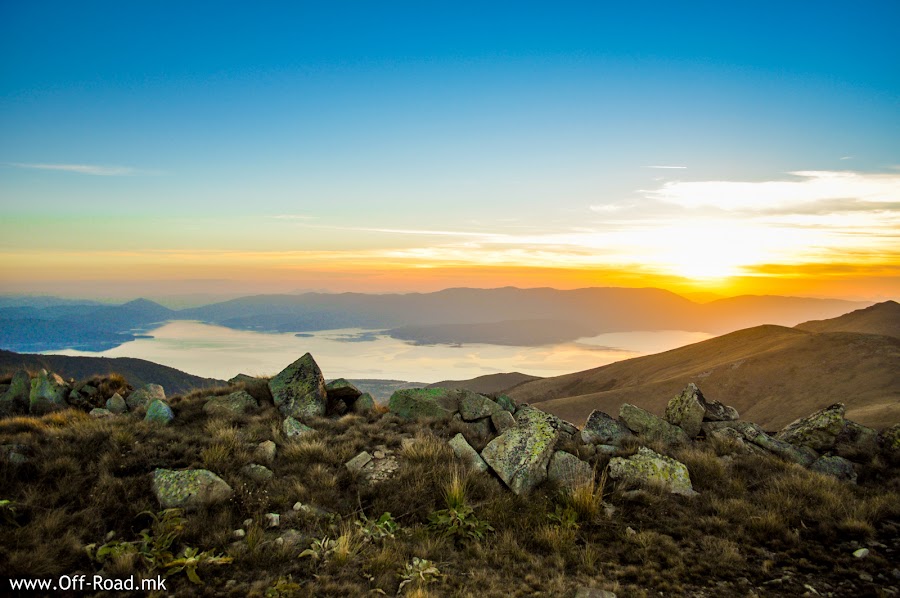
116	404
299	389
258	473
243	379
856	440
889	440
687	410
100	412
503	420
649	468
818	431
464	451
142	397
835	466
601	428
48	393
719	412
649	427
159	412
473	406
293	428
342	389
189	488
265	452
735	438
414	403
234	403
15	401
753	433
506	403
358	462
363	403
569	471
521	454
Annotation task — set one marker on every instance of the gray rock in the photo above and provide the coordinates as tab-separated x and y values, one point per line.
521	454
15	401
415	403
244	379
258	473
235	403
481	428
364	403
687	410
835	466
465	452
506	403
503	420
649	468
142	397
735	437
293	428
474	406
649	427
272	520
265	452
818	431
861	553
601	428
48	393
856	439
116	404
889	440
159	411
299	389
343	390
718	412
569	471
754	434
358	462
99	412
189	488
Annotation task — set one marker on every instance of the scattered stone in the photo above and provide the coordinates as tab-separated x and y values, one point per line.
601	428
378	454
503	420
238	533
297	506
159	412
506	403
818	431
861	553
299	389
687	410
866	577
649	468
292	428
142	397
569	471
265	452
247	522
189	488
48	393
464	451
521	454
116	404
414	403
364	403
99	412
835	466
649	427
473	406
237	402
257	473
273	519
15	401
358	462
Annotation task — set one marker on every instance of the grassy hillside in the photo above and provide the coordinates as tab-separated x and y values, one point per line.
881	318
489	383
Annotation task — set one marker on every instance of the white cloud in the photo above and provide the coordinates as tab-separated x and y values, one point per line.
664	167
91	169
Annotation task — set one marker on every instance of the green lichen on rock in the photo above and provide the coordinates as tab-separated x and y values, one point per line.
802	455
293	428
649	427
889	439
506	403
299	389
363	403
189	488
159	412
687	410
521	454
649	468
343	390
835	466
473	406
236	402
464	451
414	403
15	401
602	428
818	431
48	393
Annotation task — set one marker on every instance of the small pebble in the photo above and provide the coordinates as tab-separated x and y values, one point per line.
248	522
238	533
866	577
298	506
861	553
378	454
273	519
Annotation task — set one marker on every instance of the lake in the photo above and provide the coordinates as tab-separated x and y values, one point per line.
218	352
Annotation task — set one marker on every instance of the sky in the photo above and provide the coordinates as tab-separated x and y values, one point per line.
177	148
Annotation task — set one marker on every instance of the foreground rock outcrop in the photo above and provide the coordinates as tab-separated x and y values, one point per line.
299	389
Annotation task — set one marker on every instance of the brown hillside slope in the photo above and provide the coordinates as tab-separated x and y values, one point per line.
881	318
771	374
488	383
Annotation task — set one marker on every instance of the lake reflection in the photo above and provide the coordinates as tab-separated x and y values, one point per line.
218	352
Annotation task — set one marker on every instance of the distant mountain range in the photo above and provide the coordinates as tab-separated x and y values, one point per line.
505	316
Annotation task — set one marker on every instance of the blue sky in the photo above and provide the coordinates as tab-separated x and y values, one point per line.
351	133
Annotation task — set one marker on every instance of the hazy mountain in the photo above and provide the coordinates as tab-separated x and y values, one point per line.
881	318
488	383
771	374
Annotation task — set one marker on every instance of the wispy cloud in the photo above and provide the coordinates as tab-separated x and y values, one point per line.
666	167
90	169
846	157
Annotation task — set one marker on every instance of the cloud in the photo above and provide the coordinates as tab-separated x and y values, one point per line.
667	167
846	157
91	169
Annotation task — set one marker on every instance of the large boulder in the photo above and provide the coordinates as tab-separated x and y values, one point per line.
342	394
473	406
856	440
414	403
293	428
835	466
802	455
569	471
299	389
142	397
601	428
235	403
15	401
503	420
464	451
649	427
189	488
506	403
116	404
889	440
363	403
48	393
818	431
687	410
159	412
521	454
649	468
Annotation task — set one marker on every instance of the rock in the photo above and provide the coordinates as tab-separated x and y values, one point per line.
835	466
48	393
601	428
649	468
649	427
266	451
342	390
15	401
521	454
14	454
142	397
116	404
99	412
292	428
503	420
273	520
189	488
569	471
238	533
481	428
364	403
734	436
159	412
586	592
506	403
414	403
258	473
234	403
379	455
861	553
718	412
244	379
299	389
465	452
474	406
687	410
856	439
889	440
606	449
358	462
818	431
